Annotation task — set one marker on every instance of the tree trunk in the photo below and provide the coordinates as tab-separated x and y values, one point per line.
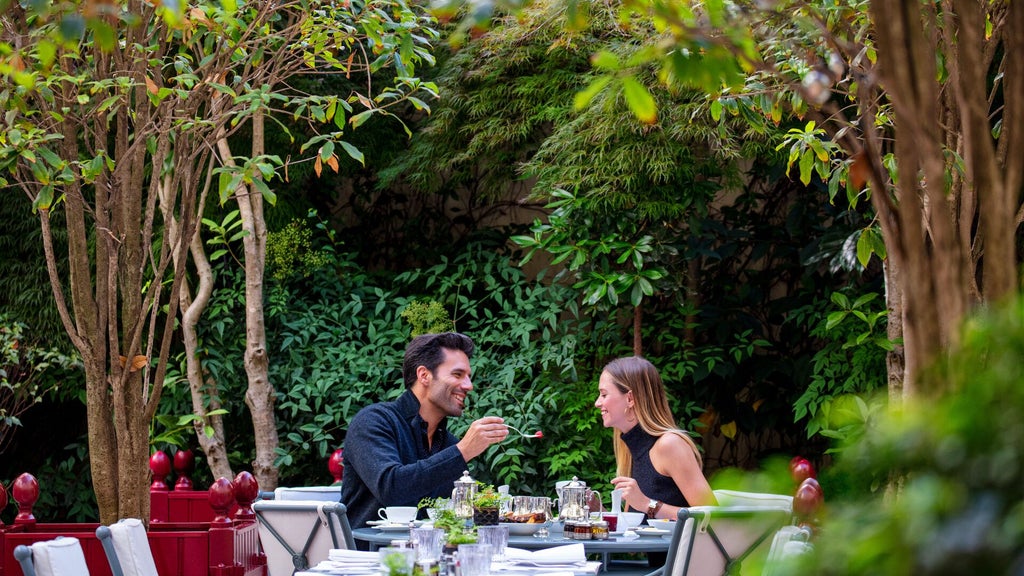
205	398
895	364
260	395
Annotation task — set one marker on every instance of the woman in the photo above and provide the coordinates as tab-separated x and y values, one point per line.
658	465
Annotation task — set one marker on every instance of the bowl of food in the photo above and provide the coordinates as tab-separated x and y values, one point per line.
663	524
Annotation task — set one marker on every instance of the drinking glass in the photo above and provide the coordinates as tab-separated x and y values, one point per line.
540	512
428	542
395	561
475	559
496	537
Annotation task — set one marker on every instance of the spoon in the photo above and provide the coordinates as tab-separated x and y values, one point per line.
537	434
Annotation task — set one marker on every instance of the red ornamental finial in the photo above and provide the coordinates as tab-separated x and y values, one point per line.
160	466
184	464
3	501
26	492
222	496
801	469
246	491
336	464
808	500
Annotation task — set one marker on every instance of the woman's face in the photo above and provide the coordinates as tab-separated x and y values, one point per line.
613	404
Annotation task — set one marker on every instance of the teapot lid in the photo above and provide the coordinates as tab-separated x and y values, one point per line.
576	483
466	479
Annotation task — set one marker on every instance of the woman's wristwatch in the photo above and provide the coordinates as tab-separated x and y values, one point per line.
652	508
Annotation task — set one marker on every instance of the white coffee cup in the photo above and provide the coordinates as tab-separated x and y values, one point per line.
398	514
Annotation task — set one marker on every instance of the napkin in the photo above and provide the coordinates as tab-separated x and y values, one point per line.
560	555
343	556
616	501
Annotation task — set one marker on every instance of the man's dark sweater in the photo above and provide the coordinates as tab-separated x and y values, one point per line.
388	462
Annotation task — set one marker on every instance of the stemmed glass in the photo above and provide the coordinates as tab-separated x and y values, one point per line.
540	509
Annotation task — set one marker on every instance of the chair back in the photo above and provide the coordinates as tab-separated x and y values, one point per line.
718	540
297	534
126	545
753	499
324	493
789	544
62	556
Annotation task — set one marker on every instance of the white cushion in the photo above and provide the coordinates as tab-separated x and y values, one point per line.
59	557
132	547
325	493
756	499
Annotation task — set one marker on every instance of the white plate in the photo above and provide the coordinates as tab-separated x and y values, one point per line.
651	532
523	528
389	527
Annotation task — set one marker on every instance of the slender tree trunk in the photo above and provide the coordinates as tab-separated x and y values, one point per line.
260	395
205	398
895	364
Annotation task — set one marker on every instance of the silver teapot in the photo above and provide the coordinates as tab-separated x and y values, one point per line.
576	501
463	494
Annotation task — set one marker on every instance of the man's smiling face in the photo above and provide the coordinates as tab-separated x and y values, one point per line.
450	383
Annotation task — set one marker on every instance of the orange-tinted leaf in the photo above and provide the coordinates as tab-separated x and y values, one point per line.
860	170
318	166
151	86
333	162
139	362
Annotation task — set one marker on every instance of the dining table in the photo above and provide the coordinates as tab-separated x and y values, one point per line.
617	543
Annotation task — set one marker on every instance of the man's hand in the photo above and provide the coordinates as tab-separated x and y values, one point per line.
481	434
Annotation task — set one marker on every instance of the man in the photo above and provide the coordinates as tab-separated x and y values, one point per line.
397	453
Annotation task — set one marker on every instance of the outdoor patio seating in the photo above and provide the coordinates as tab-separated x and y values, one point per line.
789	543
127	548
324	493
753	499
717	540
297	534
61	556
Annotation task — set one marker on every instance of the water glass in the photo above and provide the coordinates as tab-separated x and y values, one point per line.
395	561
475	559
428	543
496	537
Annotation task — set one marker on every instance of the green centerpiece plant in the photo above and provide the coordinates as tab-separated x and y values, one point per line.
486	503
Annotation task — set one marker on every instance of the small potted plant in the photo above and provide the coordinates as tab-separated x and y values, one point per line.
486	503
455	530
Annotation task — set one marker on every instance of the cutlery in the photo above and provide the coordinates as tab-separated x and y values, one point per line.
537	434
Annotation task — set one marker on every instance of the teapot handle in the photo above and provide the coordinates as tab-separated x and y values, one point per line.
594	502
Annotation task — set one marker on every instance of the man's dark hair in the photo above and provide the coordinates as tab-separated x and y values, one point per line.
425	350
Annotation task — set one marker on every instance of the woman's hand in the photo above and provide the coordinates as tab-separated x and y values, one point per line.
631	494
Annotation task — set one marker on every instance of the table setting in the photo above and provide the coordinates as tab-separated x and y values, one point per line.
472	560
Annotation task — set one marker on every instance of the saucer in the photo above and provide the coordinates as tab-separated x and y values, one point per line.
651	532
392	526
